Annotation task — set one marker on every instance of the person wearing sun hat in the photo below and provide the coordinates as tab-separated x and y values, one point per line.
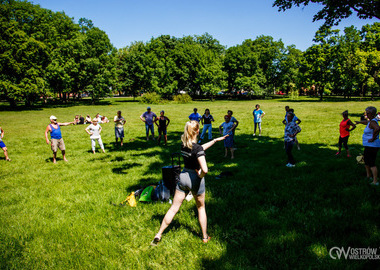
149	118
56	137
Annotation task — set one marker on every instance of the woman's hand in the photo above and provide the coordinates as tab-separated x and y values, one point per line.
221	138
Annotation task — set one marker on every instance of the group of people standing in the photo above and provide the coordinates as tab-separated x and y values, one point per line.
370	140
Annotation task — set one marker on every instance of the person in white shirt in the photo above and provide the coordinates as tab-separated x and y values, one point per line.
94	131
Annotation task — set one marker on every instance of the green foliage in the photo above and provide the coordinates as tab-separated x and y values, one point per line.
334	11
151	98
182	98
253	65
44	52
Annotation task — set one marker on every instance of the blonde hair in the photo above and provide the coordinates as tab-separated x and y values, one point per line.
190	134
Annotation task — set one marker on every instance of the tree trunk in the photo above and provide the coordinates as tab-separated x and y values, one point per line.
12	103
321	90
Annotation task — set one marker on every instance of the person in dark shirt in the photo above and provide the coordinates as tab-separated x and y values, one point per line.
81	120
207	126
163	123
191	179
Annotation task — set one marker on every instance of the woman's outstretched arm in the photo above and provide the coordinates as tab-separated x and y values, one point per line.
211	143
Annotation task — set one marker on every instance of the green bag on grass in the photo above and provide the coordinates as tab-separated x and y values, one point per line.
146	195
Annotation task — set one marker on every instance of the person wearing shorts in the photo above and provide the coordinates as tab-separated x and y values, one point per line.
119	127
3	146
258	114
149	118
344	133
163	123
190	179
94	131
371	143
56	137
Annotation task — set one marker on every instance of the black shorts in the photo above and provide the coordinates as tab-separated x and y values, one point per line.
162	130
370	154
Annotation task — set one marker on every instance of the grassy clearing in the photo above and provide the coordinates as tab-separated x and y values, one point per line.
264	216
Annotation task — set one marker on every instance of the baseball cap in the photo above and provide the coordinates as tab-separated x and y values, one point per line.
148	108
53	117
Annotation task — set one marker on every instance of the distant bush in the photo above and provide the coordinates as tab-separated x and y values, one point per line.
182	98
151	98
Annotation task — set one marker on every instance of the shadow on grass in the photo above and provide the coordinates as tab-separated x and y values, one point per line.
328	99
270	216
124	169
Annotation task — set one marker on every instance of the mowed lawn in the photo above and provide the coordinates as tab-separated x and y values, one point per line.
264	216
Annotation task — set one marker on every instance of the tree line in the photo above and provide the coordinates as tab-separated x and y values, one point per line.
46	55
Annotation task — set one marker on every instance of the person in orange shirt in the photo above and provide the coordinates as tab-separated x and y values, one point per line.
344	130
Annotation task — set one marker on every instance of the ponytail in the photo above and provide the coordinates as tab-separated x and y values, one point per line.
190	134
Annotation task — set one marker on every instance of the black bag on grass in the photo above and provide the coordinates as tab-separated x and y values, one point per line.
170	174
161	193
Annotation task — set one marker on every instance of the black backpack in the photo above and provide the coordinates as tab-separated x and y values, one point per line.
161	193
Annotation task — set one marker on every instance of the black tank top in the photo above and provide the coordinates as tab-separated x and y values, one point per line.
162	123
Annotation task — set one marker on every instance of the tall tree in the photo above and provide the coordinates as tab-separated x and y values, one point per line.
318	61
334	11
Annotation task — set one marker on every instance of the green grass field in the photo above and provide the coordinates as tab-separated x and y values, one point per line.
266	216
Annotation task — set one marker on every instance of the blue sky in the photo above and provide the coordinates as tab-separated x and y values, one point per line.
230	22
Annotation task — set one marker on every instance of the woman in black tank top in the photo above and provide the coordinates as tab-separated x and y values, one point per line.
162	125
191	179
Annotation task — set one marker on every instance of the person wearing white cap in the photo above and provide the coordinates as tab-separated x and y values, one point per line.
149	118
56	137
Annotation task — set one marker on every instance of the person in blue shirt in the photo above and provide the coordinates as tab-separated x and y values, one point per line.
258	114
195	116
149	118
228	128
56	137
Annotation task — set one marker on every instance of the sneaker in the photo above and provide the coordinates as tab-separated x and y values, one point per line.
259	135
254	134
290	165
155	241
374	184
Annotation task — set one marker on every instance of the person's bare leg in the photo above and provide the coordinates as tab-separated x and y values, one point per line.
64	155
368	170
121	141
225	152
200	200
374	174
166	139
6	154
232	152
54	157
179	196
